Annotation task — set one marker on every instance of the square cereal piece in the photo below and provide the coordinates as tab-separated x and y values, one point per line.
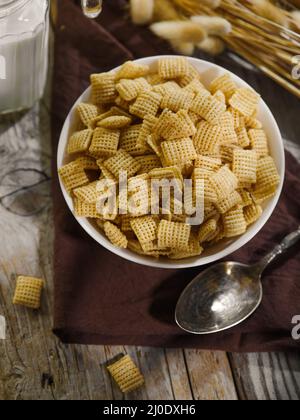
208	107
87	163
80	141
259	142
206	230
72	176
242	136
84	209
146	129
115	122
224	182
207	139
229	202
228	132
164	88
226	152
245	101
28	292
129	139
130	89
104	142
115	235
87	113
195	87
208	163
244	165
173	235
267	179
193	250
234	222
178	151
131	70
88	193
220	96
224	84
145	229
177	100
122	161
103	88
190	76
126	374
146	104
252	213
148	163
173	68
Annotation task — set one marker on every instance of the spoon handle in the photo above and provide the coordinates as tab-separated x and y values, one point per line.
289	241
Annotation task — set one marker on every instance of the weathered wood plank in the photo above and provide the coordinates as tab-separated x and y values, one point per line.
210	375
274	376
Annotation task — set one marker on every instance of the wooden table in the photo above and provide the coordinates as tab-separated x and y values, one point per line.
34	364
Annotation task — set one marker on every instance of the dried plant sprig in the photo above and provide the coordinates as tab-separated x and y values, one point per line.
213	25
181	31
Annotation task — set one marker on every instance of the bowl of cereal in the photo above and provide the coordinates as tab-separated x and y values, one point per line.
171	162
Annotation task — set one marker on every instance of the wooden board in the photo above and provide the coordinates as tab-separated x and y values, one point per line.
35	365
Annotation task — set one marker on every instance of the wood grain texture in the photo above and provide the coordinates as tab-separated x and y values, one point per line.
35	365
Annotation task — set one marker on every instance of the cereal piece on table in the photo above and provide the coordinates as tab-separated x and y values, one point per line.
87	163
103	88
83	209
28	292
131	70
130	89
206	230
177	100
178	151
173	235
234	222
224	182
146	104
173	68
208	107
220	96
105	142
207	138
252	213
114	122
126	374
242	136
245	101
146	129
122	161
229	135
115	235
192	250
208	163
244	165
80	141
267	179
148	163
72	176
224	84
259	142
88	193
87	113
229	202
145	229
129	138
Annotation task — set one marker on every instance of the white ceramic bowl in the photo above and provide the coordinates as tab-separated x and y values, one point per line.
208	72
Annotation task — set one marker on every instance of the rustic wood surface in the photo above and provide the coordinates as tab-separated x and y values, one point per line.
34	364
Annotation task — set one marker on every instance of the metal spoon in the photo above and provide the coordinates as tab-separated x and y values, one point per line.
226	294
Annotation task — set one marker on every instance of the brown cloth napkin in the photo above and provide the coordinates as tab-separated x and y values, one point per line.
103	299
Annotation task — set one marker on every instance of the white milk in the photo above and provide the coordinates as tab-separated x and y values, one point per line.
23	52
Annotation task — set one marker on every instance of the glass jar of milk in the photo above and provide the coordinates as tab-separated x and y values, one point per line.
24	30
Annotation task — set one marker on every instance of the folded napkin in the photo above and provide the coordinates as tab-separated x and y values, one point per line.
103	299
